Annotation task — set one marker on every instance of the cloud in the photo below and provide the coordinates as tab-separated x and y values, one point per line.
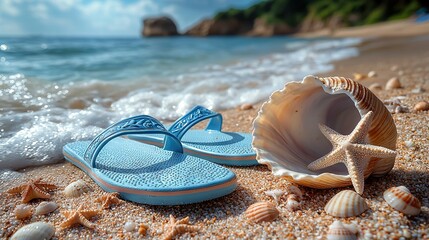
8	7
39	10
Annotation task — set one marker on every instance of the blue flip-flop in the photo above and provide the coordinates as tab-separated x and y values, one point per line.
145	173
227	148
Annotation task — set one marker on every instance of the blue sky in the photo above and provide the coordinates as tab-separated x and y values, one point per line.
101	18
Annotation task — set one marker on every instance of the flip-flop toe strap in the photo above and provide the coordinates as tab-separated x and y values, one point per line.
141	124
196	115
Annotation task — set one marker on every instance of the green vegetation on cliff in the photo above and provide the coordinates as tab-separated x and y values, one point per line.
346	12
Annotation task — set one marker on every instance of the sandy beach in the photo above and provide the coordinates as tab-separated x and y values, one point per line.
390	53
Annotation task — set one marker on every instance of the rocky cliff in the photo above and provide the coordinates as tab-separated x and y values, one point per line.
211	27
159	26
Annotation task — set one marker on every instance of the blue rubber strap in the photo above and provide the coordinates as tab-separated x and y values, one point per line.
196	115
141	124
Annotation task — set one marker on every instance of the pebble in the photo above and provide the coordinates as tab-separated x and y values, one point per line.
130	226
372	74
421	106
246	106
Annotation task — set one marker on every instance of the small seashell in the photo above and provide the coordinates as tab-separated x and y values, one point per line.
346	203
276	194
23	211
409	143
292	202
372	74
401	199
34	231
262	212
393	83
339	231
45	208
421	106
375	87
75	189
246	106
291	189
359	76
143	229
418	90
130	226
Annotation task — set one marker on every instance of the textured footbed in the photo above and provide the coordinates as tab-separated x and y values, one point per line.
231	147
135	166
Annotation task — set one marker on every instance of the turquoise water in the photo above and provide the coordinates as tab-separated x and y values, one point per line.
57	90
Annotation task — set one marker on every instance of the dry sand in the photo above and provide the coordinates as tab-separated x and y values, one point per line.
223	218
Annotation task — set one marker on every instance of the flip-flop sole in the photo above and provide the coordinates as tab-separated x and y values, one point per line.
227	148
151	175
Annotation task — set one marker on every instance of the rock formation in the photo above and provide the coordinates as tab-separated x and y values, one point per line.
210	27
159	26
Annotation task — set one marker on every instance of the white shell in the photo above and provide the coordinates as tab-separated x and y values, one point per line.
275	194
130	226
339	231
34	231
346	203
286	134
45	208
401	199
372	74
75	189
23	211
291	189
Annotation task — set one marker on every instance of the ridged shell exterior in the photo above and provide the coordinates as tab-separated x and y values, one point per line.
34	231
75	189
339	231
401	199
45	208
346	203
286	134
262	212
23	211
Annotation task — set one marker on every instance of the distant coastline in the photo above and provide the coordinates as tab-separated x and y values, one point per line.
284	17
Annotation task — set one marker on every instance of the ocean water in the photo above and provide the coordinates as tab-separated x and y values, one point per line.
57	90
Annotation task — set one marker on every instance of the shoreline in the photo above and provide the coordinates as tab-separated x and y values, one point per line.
224	217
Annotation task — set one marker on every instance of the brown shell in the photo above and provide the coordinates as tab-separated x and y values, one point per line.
401	199
262	212
286	134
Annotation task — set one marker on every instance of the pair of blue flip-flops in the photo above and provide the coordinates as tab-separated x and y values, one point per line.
146	173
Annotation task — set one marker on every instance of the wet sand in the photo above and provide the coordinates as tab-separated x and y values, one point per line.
405	57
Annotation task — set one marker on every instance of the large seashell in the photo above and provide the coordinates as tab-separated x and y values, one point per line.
262	212
339	231
75	189
401	199
34	231
346	203
45	208
23	211
287	138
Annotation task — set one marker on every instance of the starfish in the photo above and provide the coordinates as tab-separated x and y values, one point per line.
179	227
33	189
109	199
79	216
352	150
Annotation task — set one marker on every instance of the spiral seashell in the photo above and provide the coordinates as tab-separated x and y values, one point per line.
346	203
339	231
23	211
45	208
287	138
262	212
75	189
34	231
401	199
293	203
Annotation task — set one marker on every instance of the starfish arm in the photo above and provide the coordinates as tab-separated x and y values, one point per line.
373	151
333	136
334	157
39	193
69	221
27	194
89	213
356	166
16	190
67	213
361	130
46	186
183	221
85	222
